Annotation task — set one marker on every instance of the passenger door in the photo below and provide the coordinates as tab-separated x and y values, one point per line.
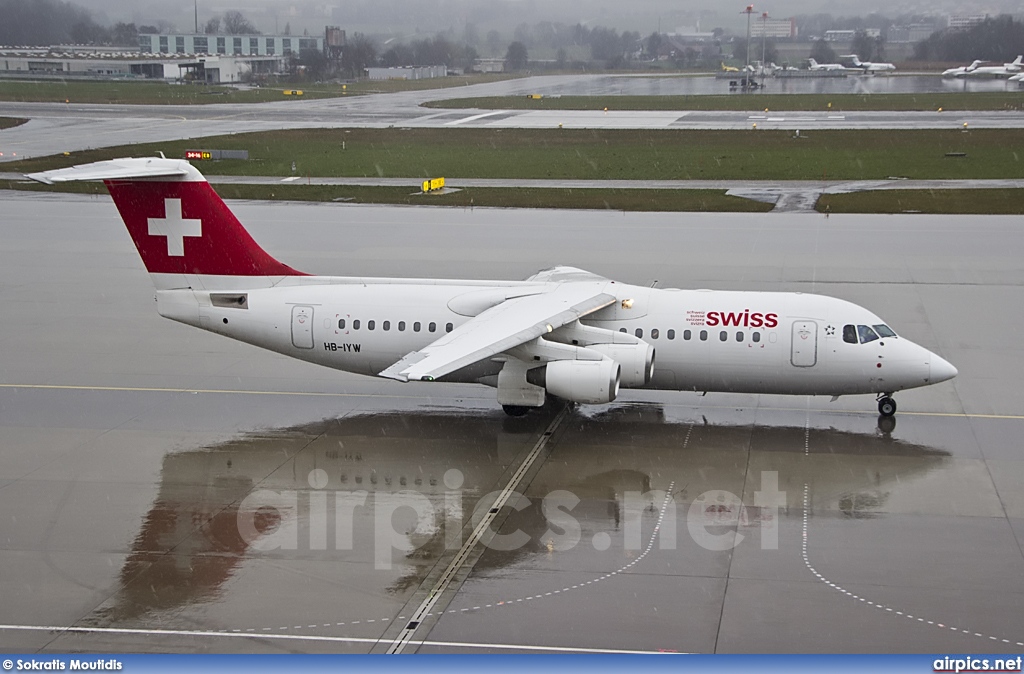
302	327
804	344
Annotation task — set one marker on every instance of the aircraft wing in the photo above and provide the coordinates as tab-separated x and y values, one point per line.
559	274
509	324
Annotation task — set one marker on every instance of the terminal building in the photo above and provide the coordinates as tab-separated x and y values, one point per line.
232	45
407	72
784	29
51	64
196	57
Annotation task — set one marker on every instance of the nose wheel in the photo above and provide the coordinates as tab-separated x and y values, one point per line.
886	405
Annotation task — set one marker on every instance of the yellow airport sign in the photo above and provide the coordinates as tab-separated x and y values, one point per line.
433	184
293	92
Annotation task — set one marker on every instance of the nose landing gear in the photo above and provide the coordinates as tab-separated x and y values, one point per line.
886	405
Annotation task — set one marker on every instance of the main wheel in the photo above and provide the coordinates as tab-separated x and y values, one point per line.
515	410
887	406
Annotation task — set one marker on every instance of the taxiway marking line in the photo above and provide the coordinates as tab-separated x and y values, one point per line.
307	637
320	394
888	609
425	608
474	117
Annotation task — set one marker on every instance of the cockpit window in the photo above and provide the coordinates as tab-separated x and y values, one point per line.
850	334
866	334
884	330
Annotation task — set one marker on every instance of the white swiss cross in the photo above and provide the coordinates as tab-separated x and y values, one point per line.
174	227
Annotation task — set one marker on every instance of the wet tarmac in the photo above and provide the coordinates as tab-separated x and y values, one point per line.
164	489
58	127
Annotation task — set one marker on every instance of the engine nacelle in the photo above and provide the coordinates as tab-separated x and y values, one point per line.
583	381
637	361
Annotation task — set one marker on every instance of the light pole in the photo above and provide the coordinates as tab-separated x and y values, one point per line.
764	39
746	66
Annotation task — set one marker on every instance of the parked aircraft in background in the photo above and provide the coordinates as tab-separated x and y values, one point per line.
997	71
960	71
868	66
814	65
563	331
976	69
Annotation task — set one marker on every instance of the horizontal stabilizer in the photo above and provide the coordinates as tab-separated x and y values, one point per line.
119	169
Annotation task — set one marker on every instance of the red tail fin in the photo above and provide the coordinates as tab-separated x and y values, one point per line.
178	223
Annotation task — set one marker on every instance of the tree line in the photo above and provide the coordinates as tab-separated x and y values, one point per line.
996	39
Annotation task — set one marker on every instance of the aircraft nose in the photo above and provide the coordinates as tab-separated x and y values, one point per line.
941	369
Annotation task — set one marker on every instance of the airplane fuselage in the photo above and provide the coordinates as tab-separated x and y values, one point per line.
704	340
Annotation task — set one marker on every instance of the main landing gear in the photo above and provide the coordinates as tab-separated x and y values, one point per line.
886	405
515	410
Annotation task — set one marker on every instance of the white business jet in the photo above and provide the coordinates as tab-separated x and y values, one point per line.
814	65
868	66
996	71
563	331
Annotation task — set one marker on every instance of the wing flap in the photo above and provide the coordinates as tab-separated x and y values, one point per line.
500	328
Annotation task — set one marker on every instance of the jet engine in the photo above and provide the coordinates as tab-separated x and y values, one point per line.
583	381
637	361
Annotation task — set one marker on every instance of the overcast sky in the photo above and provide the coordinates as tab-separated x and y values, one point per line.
430	16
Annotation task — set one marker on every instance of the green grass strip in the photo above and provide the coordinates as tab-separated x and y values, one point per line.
137	92
599	154
752	102
982	201
619	200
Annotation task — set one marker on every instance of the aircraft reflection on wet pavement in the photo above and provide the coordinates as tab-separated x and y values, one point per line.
191	545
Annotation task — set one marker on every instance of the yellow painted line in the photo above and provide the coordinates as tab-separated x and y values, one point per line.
320	394
822	410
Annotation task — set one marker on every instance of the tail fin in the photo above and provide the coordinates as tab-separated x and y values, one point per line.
183	230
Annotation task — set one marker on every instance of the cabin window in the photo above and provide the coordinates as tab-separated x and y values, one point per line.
639	332
756	337
432	327
654	333
739	336
866	334
622	329
341	324
401	326
703	335
723	335
386	325
671	334
449	327
850	334
884	330
416	326
687	335
355	324
370	325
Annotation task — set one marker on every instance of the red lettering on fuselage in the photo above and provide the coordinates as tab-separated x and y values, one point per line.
745	319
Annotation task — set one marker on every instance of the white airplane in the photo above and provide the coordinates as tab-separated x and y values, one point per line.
961	71
563	331
868	66
814	65
1018	78
1004	70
